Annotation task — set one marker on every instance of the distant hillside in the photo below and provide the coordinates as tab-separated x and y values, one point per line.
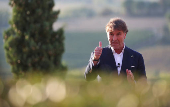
157	58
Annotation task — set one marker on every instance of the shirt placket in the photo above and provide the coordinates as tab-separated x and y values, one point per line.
118	63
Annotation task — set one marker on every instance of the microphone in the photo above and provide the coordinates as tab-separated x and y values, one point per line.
118	65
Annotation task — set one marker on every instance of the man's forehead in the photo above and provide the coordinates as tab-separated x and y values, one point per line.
115	31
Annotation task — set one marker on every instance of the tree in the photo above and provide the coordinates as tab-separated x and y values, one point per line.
30	42
166	32
128	4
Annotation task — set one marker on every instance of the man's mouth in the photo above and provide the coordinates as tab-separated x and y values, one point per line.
114	43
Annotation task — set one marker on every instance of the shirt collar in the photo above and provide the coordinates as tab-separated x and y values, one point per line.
121	52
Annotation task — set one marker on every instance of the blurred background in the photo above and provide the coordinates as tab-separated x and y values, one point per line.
84	23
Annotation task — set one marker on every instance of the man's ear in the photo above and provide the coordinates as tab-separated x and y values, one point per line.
125	36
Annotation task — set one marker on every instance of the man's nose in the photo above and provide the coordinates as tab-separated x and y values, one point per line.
114	37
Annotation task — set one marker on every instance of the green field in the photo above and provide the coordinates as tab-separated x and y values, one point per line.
79	45
157	58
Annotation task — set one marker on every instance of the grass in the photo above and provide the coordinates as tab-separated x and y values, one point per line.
50	91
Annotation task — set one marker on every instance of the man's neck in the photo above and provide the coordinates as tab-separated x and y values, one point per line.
118	51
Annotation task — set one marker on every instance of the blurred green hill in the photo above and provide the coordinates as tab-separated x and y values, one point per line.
79	45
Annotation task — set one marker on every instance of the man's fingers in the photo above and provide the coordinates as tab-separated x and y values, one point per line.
129	74
98	54
98	47
100	44
98	51
127	71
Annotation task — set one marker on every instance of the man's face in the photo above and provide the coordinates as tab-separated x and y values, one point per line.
116	39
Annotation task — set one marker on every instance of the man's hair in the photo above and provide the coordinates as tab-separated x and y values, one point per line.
116	24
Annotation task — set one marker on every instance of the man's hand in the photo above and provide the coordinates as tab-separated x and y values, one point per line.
130	76
98	51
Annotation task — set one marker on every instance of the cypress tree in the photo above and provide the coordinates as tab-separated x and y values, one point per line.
30	43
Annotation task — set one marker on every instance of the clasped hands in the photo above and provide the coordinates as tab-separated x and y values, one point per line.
97	54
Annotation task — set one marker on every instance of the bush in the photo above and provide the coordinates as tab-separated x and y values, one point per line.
50	91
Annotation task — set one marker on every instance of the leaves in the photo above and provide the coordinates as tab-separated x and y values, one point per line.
29	42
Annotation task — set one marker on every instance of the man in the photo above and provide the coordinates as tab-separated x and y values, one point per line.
115	59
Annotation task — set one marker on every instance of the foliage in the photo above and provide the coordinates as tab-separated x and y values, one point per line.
166	4
106	12
166	36
50	91
166	31
128	7
78	12
146	8
30	42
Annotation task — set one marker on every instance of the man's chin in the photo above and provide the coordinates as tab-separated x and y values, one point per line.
114	47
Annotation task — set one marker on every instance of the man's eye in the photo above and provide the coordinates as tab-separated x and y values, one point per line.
119	34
